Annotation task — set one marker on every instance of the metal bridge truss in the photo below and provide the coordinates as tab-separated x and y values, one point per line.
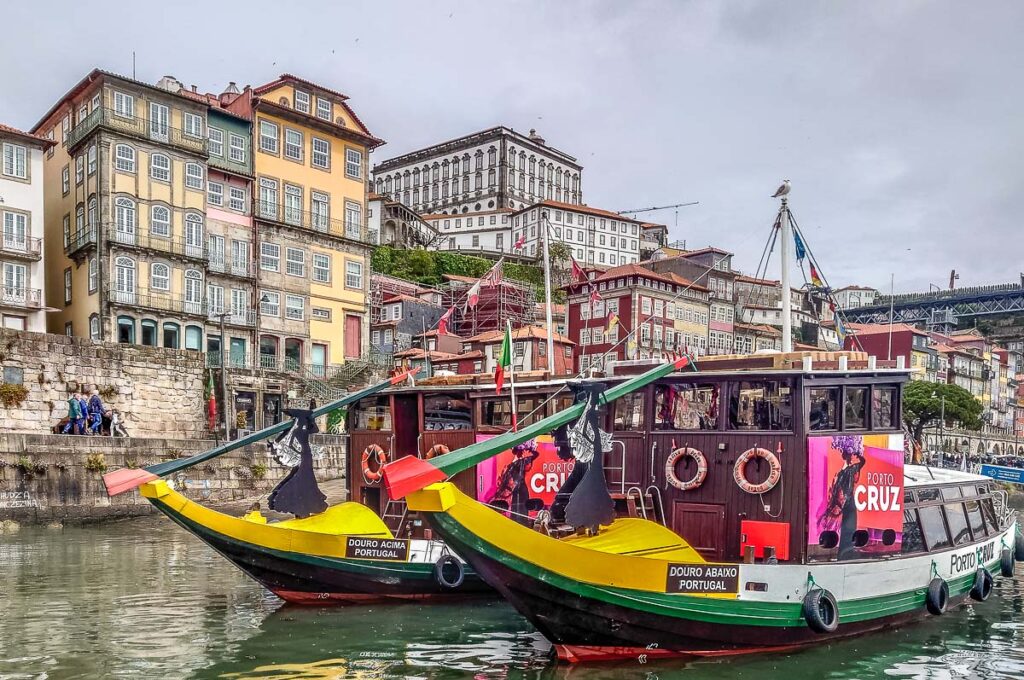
943	309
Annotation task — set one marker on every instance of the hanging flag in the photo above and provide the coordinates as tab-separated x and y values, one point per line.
840	330
442	323
504	360
520	242
578	275
473	296
631	348
613	319
493	276
209	393
815	279
594	295
801	251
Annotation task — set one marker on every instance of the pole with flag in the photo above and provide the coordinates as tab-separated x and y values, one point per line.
505	361
211	401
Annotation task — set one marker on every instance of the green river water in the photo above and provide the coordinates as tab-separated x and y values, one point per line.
142	598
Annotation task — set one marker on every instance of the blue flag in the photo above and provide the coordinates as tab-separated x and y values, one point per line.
840	329
801	252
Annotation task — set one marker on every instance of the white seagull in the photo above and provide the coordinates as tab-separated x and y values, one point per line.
782	190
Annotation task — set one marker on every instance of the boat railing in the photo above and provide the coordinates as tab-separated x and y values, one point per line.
1002	507
656	503
620	469
654	451
640	499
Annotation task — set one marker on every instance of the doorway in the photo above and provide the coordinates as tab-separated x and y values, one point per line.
702	525
353	335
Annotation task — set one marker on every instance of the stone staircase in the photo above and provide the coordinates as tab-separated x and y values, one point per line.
328	383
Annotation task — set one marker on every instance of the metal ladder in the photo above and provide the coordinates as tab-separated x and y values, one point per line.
621	469
395	510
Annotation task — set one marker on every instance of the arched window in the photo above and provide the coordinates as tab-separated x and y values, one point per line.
268	351
160	276
193	337
193	235
492	157
522	160
149	332
124	158
491	177
93	214
171	335
124	282
533	165
194	176
416	177
398	182
387	185
80	217
125	329
455	166
94	326
193	292
380	186
160	221
478	159
160	167
124	220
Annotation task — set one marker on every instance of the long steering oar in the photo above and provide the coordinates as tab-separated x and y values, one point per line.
408	474
127	479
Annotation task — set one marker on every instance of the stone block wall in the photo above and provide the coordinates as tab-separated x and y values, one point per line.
45	478
159	392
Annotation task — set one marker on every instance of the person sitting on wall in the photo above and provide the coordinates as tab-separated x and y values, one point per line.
95	412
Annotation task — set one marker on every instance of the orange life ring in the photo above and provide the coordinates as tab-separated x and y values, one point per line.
774	474
436	450
381	456
695	481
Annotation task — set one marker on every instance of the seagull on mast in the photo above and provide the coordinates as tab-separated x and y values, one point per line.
782	190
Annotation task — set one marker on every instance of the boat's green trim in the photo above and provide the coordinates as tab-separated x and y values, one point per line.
730	612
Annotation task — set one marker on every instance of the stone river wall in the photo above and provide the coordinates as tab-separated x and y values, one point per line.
47	478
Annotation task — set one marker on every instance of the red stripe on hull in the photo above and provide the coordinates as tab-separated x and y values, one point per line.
593	653
306	598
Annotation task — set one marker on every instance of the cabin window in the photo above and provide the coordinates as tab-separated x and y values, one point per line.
824	408
761	405
913	539
629	412
447	412
975	520
950	493
989	511
883	411
957	521
925	495
856	408
528	410
496	413
908	497
933	527
972	491
371	413
686	407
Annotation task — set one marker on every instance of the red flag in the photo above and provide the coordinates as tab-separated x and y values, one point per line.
815	279
520	242
493	277
594	295
473	296
578	275
442	323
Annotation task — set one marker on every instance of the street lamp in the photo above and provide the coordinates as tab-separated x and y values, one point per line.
223	374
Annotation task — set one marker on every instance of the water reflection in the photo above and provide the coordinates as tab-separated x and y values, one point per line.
145	598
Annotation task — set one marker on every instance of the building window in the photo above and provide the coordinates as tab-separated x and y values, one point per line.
160	277
270	257
125	329
215	193
93	274
124	105
236	199
320	313
268	137
124	158
295	262
354	163
92	159
321	268
293	144
194	125
353	219
194	175
270	303
214	299
171	335
160	167
216	145
94	327
354	275
294	307
124	216
324	108
321	153
67	286
160	221
301	101
65	180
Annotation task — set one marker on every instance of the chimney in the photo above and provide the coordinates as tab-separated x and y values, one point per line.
195	89
229	94
169	83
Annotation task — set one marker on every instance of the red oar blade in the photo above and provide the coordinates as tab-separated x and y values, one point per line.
126	479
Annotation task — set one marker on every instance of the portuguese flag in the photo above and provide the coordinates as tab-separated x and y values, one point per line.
211	400
504	361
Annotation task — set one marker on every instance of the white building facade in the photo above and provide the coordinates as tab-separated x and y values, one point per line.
22	305
851	297
493	169
485	233
596	237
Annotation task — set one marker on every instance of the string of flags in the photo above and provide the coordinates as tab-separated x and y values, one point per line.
817	282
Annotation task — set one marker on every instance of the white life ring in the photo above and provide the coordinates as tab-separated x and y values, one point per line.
774	474
697	479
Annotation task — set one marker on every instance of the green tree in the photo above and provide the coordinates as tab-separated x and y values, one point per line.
923	408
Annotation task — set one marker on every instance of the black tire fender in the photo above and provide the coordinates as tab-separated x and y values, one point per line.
821	611
1006	563
982	587
937	598
449	562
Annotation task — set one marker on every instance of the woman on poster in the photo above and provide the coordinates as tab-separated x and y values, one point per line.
841	510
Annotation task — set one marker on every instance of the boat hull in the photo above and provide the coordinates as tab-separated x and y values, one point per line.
310	579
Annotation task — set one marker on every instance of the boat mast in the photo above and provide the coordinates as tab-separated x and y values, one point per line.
787	316
547	295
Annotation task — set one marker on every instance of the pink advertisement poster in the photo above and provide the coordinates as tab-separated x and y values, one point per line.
855	496
532	471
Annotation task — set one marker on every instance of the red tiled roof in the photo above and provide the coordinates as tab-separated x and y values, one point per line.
752	279
7	129
416	353
757	328
286	78
875	328
558	205
637	270
521	333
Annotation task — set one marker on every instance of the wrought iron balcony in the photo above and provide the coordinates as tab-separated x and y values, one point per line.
294	217
141	128
243	268
164	244
19	296
21	248
233	360
80	239
232	317
164	302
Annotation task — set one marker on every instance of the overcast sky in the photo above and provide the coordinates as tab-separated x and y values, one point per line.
898	123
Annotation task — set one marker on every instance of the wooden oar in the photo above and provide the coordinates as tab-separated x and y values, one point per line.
408	474
126	479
